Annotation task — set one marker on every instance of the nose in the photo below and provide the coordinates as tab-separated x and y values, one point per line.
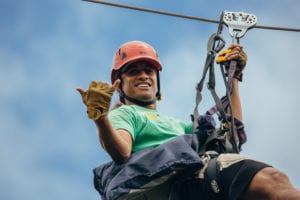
143	75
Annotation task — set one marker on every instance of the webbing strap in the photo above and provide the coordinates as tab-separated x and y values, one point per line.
233	145
212	183
219	135
215	44
231	70
196	116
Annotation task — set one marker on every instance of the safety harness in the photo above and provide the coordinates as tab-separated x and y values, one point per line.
215	141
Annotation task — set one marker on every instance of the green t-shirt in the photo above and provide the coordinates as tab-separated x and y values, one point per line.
146	126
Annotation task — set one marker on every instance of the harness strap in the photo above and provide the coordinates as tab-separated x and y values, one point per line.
215	44
212	180
211	139
209	65
196	117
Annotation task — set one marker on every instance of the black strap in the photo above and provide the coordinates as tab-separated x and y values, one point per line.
217	135
212	180
136	101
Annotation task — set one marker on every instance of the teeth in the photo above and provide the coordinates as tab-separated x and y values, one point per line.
143	85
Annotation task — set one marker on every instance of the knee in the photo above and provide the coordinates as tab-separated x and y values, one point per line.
273	177
272	183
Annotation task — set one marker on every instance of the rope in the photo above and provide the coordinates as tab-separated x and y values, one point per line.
186	16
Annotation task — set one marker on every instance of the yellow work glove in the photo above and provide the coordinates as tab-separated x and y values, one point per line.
97	99
224	58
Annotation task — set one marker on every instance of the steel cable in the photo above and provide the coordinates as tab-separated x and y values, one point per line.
186	16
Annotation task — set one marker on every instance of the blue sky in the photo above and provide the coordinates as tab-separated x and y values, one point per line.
48	146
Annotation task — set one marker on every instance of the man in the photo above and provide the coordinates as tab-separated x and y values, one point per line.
137	125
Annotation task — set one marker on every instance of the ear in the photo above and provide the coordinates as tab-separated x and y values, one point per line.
117	85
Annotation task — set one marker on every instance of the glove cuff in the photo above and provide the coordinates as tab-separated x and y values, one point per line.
95	113
239	77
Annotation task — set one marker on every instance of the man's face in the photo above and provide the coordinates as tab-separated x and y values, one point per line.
140	81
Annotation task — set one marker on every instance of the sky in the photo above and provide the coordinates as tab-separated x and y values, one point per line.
48	146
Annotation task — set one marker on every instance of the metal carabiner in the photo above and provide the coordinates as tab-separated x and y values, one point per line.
215	43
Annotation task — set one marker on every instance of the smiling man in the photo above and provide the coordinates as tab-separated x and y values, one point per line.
139	81
136	131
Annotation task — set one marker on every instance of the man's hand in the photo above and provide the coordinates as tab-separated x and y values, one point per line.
97	98
234	52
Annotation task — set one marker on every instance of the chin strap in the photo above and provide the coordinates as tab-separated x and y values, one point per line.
123	96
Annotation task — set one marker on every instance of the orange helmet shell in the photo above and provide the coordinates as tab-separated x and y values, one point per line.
131	52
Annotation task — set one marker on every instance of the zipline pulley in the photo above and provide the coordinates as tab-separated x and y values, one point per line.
238	23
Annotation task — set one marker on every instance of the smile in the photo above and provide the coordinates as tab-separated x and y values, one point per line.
143	85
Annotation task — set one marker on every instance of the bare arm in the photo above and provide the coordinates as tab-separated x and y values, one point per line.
117	143
236	102
235	97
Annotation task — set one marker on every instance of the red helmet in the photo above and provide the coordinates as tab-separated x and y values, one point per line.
131	52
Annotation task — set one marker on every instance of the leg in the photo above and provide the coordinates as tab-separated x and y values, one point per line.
270	183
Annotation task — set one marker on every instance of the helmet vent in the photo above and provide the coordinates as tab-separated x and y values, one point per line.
124	55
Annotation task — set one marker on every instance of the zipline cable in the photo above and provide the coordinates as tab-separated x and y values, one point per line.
185	16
